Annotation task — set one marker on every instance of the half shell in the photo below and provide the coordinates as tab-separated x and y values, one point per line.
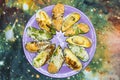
43	56
43	20
80	28
56	61
70	20
80	52
35	46
71	60
79	41
38	34
57	18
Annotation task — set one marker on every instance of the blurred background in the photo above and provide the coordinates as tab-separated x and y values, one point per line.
105	16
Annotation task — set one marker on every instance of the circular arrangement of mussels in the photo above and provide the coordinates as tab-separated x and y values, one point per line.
68	49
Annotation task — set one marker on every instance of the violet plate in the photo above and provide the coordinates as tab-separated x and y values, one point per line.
64	71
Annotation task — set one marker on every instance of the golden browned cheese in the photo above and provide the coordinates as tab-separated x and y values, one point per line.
57	23
56	61
71	60
72	63
70	32
36	46
50	49
83	27
43	56
32	47
57	18
43	20
80	28
70	20
52	68
79	41
58	10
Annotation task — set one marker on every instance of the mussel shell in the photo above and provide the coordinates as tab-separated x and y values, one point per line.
70	20
79	41
35	46
83	28
71	60
58	11
37	34
43	56
43	20
80	52
80	28
40	59
32	47
56	61
57	17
